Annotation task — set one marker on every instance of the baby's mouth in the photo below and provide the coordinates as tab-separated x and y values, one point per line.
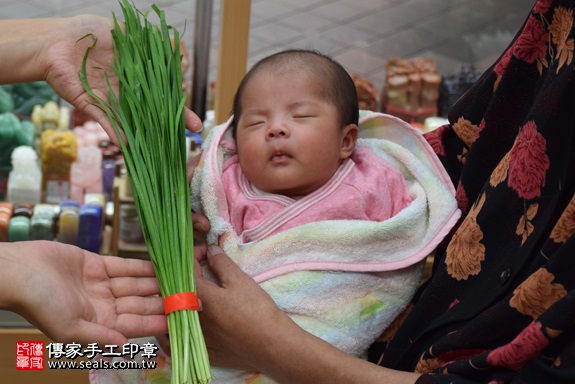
280	156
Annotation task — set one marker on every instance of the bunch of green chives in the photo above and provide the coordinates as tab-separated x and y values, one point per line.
149	111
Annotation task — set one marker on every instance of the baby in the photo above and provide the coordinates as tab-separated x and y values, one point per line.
334	227
295	125
315	215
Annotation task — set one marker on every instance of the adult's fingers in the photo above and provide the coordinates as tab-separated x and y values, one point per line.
134	286
193	122
222	266
136	305
131	325
99	116
89	332
122	267
200	222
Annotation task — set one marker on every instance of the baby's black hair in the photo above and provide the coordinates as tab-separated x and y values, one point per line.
339	86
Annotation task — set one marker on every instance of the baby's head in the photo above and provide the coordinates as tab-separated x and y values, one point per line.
329	80
295	120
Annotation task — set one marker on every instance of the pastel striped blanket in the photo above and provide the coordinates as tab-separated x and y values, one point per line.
342	280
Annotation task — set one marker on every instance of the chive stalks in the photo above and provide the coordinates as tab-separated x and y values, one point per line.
149	111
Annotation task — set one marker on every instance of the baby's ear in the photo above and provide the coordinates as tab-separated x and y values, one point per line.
348	139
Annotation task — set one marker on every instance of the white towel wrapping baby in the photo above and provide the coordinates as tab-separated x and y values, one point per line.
301	268
342	280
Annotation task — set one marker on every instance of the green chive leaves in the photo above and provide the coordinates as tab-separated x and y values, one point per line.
147	114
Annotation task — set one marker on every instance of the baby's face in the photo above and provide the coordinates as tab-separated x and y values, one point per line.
289	140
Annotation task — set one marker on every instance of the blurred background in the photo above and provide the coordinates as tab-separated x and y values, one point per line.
361	34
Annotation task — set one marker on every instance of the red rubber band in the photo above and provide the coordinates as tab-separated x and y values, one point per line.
180	302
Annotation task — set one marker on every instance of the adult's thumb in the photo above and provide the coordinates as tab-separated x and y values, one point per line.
221	265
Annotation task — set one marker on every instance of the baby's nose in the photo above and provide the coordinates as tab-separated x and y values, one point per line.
276	131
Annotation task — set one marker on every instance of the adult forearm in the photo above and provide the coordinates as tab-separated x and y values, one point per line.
22	43
11	276
295	356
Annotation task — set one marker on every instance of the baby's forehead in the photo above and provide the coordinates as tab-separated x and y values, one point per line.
313	79
299	68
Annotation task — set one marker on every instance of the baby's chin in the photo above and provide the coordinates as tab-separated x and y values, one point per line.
295	193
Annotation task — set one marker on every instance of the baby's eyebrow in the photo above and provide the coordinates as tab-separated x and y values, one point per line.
301	103
254	111
293	106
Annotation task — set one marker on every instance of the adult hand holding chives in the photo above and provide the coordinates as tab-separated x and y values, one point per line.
53	51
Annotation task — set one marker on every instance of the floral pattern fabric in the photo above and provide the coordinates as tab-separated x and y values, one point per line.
500	306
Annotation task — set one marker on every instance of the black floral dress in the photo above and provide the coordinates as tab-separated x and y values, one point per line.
500	306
